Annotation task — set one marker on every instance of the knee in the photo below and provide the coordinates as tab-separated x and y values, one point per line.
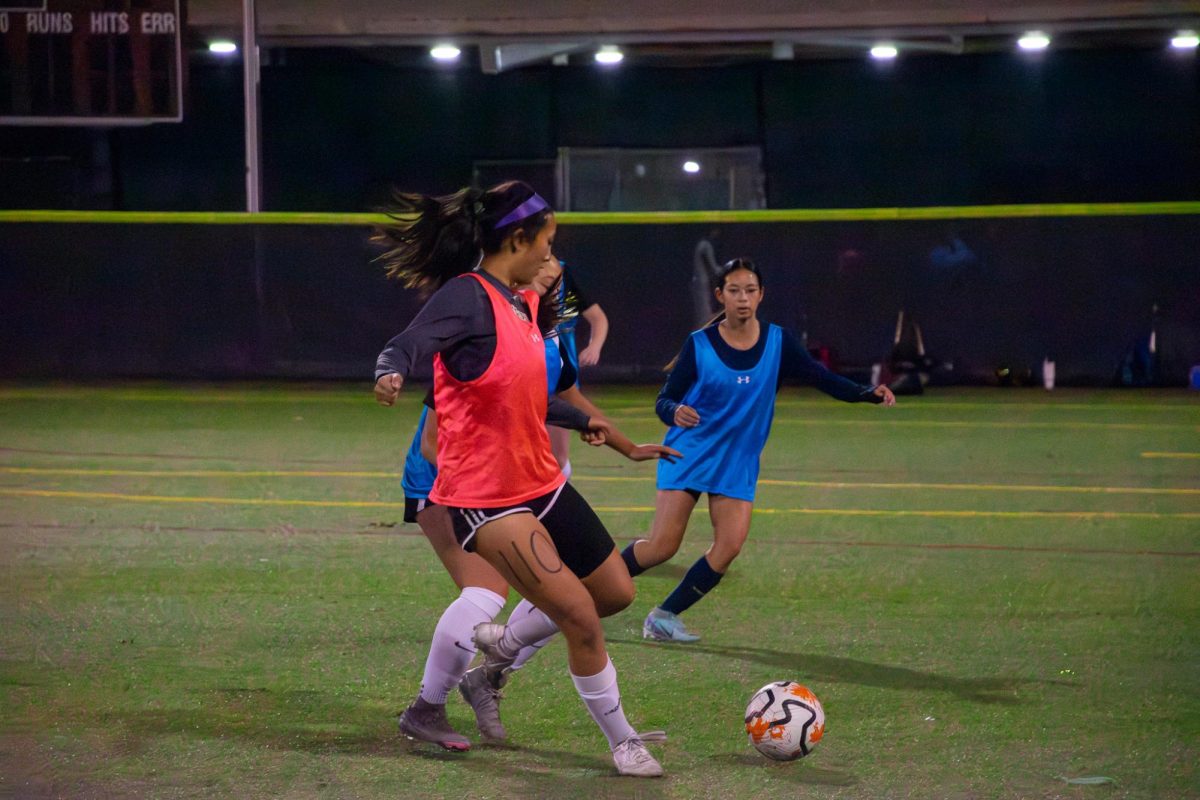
582	629
720	558
653	553
616	600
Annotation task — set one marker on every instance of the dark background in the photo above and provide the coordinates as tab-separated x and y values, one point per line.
306	301
339	127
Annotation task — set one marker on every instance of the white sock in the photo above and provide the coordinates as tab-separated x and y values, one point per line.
524	609
526	626
451	650
603	700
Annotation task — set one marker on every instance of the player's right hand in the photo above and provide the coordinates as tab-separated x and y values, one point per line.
686	417
387	388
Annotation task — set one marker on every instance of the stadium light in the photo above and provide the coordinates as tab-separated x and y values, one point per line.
1185	40
1033	41
884	52
691	167
445	52
609	54
222	47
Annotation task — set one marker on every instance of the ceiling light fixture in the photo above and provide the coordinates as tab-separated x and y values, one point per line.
445	52
609	54
1034	40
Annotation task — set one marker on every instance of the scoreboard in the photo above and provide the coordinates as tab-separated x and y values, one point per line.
90	62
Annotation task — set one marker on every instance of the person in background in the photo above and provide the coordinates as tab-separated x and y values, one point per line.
575	304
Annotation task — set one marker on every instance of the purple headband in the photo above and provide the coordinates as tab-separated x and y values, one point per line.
527	209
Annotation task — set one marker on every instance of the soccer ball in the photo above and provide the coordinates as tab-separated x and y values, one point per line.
784	720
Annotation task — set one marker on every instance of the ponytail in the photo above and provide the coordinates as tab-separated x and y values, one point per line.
433	239
716	320
552	309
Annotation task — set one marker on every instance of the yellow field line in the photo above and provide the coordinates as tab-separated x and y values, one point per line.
864	512
224	501
1170	455
198	473
841	512
891	421
968	487
179	397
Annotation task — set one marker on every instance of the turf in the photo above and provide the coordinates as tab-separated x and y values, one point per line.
207	591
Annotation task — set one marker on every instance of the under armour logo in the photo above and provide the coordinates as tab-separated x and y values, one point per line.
743	379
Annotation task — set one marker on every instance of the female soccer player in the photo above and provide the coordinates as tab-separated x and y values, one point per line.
506	497
575	304
483	591
719	400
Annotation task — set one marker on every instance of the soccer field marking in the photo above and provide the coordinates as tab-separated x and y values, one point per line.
847	512
146	456
1171	455
224	501
412	531
964	487
967	513
967	487
918	423
918	405
200	473
126	396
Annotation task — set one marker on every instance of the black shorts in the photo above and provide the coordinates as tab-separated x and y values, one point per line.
414	506
578	534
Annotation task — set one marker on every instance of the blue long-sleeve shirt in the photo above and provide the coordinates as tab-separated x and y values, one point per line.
795	365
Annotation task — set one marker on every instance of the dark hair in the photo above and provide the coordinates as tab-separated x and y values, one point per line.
433	239
733	266
552	309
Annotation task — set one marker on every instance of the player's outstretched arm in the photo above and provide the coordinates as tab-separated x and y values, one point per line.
601	430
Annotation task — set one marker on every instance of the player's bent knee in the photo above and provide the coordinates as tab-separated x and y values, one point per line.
580	624
654	553
615	600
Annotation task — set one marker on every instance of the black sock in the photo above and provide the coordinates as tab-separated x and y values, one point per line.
699	581
631	562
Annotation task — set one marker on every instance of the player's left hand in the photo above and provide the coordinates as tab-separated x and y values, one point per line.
589	356
883	391
650	452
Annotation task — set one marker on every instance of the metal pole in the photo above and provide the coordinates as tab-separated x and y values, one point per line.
250	86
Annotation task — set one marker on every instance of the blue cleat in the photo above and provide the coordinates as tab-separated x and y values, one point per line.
663	626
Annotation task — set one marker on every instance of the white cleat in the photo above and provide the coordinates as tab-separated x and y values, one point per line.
633	759
663	626
487	638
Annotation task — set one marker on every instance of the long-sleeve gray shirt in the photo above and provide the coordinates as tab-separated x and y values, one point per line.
457	321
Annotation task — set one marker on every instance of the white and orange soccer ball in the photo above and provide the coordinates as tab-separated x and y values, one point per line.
784	720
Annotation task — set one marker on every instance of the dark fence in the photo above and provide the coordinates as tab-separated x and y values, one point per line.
306	301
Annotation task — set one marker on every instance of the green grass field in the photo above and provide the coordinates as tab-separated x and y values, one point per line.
207	591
